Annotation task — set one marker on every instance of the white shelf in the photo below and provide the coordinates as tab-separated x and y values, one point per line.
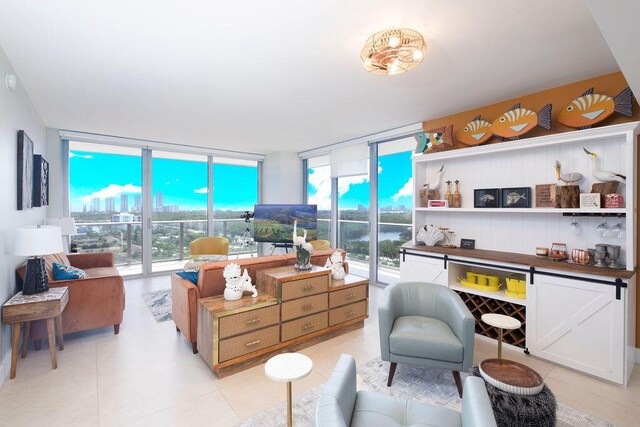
525	210
499	295
537	142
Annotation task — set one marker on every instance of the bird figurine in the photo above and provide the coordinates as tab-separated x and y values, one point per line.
435	185
571	178
604	176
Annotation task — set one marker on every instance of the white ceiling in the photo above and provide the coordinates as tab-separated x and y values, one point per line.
263	76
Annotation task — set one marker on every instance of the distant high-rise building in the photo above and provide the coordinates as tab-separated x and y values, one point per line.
95	204
137	203
171	208
84	207
123	217
361	208
110	204
159	201
124	203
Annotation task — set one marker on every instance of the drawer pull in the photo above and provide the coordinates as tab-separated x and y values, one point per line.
307	307
252	321
307	288
350	296
350	313
307	326
249	344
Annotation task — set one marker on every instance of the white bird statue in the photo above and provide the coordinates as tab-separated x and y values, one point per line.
300	242
571	178
604	176
435	185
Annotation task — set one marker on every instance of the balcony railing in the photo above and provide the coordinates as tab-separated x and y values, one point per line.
353	236
170	239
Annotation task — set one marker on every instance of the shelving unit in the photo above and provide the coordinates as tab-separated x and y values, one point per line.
602	211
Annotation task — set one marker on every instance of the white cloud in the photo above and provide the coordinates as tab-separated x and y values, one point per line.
72	154
203	190
405	191
320	181
113	190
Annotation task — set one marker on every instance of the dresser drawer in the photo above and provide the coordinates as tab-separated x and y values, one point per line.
303	326
247	343
347	296
347	312
248	321
304	306
305	287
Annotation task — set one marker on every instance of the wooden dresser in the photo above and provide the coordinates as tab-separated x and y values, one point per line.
293	310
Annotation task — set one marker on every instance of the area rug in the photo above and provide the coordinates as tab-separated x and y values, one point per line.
159	303
410	382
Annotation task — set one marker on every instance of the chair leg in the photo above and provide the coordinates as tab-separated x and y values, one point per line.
392	372
194	347
37	344
456	377
116	329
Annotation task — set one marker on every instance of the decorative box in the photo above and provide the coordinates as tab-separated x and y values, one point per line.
589	200
613	201
438	204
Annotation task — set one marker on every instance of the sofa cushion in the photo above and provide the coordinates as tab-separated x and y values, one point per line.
102	271
378	410
410	335
67	272
191	276
60	258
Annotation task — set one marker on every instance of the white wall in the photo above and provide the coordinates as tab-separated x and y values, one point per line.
16	112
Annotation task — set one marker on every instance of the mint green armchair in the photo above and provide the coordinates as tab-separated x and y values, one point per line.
428	325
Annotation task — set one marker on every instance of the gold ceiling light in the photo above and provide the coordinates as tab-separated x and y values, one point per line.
393	51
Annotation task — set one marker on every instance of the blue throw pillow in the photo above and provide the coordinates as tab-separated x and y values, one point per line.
67	272
191	276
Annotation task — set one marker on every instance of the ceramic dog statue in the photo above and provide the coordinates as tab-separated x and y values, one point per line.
336	265
237	284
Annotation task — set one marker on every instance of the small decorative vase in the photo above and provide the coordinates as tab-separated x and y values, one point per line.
231	294
456	196
448	195
303	259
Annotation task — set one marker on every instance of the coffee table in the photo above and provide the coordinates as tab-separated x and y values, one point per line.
501	322
288	367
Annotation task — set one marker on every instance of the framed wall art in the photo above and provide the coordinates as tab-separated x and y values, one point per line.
40	181
25	171
519	197
486	198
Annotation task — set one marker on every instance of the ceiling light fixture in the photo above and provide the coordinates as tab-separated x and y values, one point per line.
393	51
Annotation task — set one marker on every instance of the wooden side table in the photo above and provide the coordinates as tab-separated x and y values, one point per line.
27	308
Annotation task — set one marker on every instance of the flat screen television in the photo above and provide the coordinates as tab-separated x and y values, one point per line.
274	223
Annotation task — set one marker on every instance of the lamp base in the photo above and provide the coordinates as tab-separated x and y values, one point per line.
35	277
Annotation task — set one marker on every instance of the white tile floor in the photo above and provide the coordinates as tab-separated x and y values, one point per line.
147	376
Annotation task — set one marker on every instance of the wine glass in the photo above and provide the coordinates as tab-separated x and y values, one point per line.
574	227
618	230
603	229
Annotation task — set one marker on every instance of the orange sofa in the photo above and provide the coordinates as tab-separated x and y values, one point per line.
185	295
94	302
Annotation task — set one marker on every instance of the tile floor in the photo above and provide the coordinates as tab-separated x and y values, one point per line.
147	376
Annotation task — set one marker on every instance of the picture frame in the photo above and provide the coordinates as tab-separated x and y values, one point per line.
25	171
40	181
516	197
486	198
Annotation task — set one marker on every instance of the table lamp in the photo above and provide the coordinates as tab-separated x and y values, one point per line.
67	226
35	241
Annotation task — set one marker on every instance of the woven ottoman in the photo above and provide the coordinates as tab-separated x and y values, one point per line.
523	411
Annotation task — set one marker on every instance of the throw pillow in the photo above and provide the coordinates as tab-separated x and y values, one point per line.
60	258
67	272
191	276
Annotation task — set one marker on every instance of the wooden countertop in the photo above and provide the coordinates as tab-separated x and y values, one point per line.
525	260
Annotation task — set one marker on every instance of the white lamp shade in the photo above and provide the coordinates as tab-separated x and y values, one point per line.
66	224
37	240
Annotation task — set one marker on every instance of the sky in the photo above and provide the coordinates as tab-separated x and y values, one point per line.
181	182
395	185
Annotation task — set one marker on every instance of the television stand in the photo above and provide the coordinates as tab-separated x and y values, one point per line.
286	247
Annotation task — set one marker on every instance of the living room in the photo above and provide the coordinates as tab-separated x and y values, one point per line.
275	213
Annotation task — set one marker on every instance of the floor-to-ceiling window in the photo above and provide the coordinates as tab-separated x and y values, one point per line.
179	192
353	221
319	193
105	198
395	202
235	190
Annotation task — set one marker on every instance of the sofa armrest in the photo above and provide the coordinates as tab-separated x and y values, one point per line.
104	285
335	406
476	406
184	306
387	314
90	260
454	312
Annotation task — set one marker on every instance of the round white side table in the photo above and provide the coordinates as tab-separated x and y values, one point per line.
501	322
288	367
